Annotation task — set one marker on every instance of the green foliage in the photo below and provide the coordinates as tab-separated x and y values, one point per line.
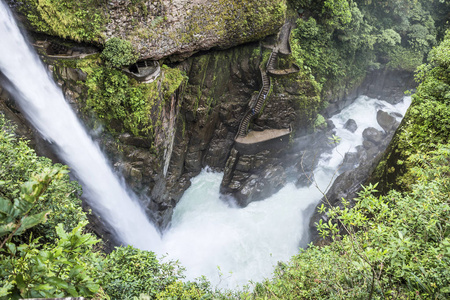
334	54
338	12
190	290
427	122
56	263
124	103
395	246
404	59
37	270
129	272
80	20
15	215
18	164
320	121
119	52
338	41
61	261
388	39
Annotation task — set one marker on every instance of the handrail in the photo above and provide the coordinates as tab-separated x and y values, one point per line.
249	114
256	107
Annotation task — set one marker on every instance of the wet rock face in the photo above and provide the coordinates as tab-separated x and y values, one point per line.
365	159
163	28
388	85
257	176
253	177
373	135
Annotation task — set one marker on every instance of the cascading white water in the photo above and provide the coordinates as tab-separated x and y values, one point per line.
231	245
228	245
44	104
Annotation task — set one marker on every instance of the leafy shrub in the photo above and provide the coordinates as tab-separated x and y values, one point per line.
119	52
190	290
427	122
129	272
395	246
18	163
38	270
404	59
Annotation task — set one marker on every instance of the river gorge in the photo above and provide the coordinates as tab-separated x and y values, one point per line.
241	147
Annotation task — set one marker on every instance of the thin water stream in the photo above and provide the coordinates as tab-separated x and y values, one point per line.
229	245
45	107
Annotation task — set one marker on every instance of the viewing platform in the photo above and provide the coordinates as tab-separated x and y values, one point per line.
144	71
256	141
58	51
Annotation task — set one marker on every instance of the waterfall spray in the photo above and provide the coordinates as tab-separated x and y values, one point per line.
45	107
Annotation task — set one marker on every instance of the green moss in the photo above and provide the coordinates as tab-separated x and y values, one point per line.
122	102
80	20
233	19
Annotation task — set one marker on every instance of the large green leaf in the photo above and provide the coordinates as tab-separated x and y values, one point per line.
7	212
58	282
31	221
7	228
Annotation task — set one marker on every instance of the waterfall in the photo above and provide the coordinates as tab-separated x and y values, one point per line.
229	245
42	101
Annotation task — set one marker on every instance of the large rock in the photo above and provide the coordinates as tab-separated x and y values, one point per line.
386	121
184	27
373	135
351	125
161	28
261	186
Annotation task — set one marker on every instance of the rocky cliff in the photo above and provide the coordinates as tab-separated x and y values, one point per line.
159	28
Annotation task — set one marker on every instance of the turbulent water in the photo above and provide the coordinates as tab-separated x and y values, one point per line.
229	245
233	245
45	107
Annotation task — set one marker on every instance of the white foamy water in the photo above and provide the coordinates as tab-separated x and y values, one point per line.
45	107
230	246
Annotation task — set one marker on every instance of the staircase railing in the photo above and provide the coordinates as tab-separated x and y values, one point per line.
253	111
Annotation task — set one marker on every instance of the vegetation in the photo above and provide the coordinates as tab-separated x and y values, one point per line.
80	20
39	258
426	124
393	245
122	102
61	198
119	53
338	40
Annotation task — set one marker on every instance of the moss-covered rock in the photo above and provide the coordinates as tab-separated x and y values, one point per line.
426	124
158	28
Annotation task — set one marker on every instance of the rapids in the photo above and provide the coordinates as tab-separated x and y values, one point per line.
231	246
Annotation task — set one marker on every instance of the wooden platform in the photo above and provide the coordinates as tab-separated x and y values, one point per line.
257	141
261	136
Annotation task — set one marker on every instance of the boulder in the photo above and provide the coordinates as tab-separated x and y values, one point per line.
386	121
351	125
373	135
